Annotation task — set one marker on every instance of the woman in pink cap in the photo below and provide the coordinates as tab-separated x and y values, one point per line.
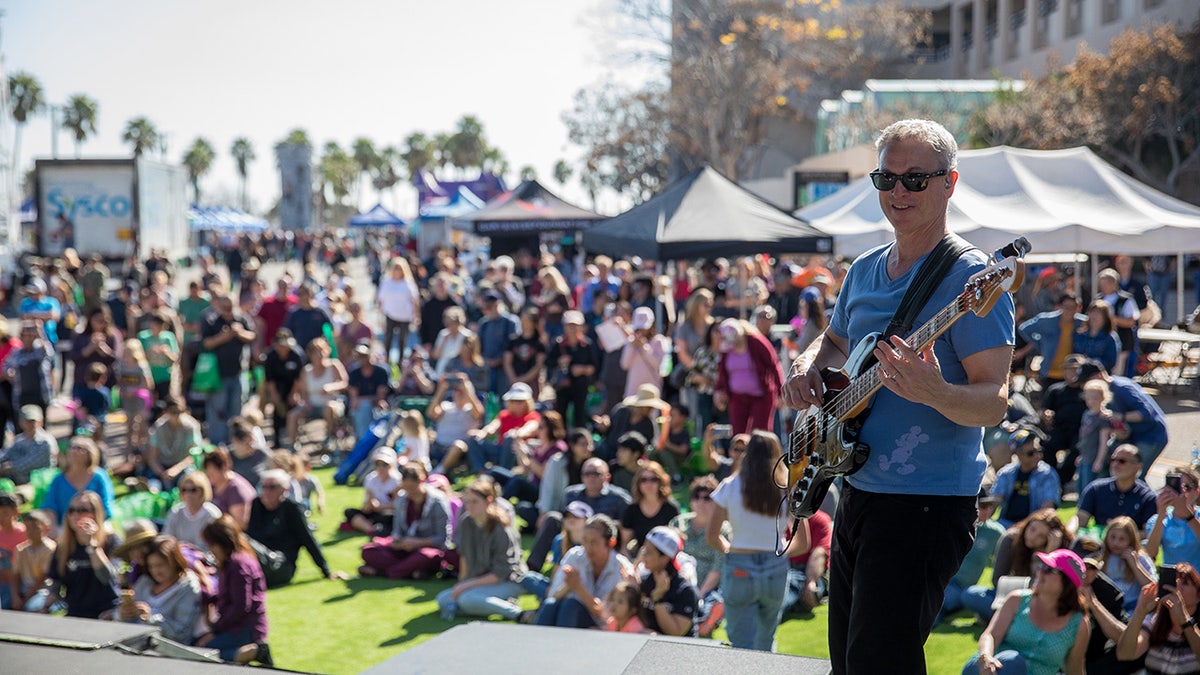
1040	630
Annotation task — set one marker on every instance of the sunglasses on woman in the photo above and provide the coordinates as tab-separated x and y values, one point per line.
913	182
79	509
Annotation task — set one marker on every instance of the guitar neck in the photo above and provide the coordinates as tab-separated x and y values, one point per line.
867	383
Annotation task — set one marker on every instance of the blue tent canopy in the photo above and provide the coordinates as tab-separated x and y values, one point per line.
223	219
377	217
460	204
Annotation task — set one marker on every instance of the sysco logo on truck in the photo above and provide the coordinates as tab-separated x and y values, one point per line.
88	205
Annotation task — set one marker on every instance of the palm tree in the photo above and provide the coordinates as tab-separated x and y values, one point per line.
198	159
562	171
467	145
527	172
365	156
243	153
418	153
141	133
336	171
79	117
27	97
385	172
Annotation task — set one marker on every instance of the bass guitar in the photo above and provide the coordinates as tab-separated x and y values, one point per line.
824	441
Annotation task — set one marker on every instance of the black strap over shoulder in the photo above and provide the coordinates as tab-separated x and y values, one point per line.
926	281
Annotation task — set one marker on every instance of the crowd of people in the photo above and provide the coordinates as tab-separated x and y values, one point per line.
625	416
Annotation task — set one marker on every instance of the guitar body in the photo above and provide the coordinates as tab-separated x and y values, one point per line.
822	448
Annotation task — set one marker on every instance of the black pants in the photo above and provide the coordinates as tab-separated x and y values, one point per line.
891	560
575	396
551	525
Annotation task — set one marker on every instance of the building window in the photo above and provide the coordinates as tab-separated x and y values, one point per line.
1074	18
1110	11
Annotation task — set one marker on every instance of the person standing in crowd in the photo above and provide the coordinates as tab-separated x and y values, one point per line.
273	310
489	555
573	361
525	355
368	385
1053	333
494	330
282	366
400	303
1125	316
433	309
748	377
754	579
690	335
642	356
1133	411
29	369
306	319
98	342
944	396
1098	339
225	333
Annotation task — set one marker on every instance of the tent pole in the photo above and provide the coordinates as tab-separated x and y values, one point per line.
1178	288
1095	272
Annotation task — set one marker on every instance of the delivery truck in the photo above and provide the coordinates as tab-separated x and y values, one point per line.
116	208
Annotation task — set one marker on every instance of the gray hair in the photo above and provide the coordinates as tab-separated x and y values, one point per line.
278	475
926	131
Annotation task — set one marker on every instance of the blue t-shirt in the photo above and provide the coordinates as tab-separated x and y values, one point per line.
46	304
1104	501
60	493
914	448
1179	543
1128	396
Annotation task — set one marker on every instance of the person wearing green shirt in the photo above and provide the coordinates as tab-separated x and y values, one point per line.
191	309
162	352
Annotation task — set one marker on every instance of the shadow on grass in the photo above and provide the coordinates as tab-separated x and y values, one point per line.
424	624
338	536
425	590
959	624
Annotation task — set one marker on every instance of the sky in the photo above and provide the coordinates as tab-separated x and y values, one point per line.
338	69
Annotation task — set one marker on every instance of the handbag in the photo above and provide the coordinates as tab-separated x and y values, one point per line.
206	378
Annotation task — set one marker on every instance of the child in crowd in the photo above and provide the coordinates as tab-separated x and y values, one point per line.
574	518
32	562
414	440
1124	561
254	417
134	386
621	607
91	408
310	486
1095	431
288	463
674	443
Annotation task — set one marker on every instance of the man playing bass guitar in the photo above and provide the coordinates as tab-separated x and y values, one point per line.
906	518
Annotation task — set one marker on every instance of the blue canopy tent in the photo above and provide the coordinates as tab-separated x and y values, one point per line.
432	228
223	219
377	217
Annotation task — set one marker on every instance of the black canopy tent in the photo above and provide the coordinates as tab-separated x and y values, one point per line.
704	215
517	218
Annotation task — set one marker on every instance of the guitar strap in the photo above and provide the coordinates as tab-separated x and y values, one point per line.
924	283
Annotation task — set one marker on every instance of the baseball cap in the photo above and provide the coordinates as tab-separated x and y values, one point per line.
362	349
36	286
1022	436
438	481
384	454
572	317
31	413
284	335
665	540
580	509
7	499
643	317
1065	561
1074	360
490	296
519	392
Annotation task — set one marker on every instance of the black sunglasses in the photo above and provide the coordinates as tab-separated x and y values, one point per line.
913	182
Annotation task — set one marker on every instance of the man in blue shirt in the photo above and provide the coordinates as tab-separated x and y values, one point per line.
41	307
1122	494
911	508
1028	484
494	329
1133	410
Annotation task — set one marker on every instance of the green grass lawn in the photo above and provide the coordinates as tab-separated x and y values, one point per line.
347	626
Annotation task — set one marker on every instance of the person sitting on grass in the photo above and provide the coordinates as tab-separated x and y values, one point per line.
808	564
987	534
379	487
1029	484
231	493
453	420
595	491
31	564
653	506
238	613
518	420
622	608
81	472
34	448
171	439
631	456
575	516
1041	630
709	561
186	520
83	558
166	596
1122	494
278	523
420	532
1043	531
1163	625
675	442
489	559
587	574
669	600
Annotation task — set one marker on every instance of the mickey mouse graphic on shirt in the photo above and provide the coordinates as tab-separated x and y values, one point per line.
903	452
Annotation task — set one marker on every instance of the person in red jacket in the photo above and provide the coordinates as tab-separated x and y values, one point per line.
748	377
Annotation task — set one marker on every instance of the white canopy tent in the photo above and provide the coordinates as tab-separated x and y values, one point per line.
1063	201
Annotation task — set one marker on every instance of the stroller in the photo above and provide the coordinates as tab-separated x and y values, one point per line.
382	432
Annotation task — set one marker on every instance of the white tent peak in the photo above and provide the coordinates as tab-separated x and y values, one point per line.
1064	201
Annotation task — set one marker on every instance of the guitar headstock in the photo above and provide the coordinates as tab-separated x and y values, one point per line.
984	288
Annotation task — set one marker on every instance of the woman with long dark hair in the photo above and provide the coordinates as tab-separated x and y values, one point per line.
1097	339
1163	626
82	562
489	551
239	630
753	579
1042	531
652	506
